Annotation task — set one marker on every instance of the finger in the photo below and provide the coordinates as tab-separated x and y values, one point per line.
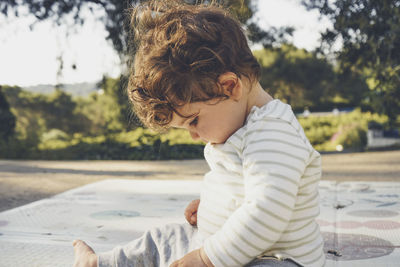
187	213
187	216
194	204
189	210
190	213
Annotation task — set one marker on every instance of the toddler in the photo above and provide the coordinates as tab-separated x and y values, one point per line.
193	69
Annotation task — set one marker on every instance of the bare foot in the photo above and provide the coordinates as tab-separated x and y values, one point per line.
84	255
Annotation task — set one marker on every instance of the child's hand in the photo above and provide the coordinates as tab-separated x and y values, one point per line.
196	258
84	255
191	212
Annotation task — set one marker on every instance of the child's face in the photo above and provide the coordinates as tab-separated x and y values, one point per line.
213	121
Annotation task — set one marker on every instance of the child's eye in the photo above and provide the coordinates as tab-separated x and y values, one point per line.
194	121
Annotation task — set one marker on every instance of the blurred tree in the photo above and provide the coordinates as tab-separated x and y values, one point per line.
116	22
370	33
296	76
59	111
29	122
305	80
116	17
106	109
351	86
116	89
39	113
7	119
274	37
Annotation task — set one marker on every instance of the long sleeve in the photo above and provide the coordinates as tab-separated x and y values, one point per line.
274	157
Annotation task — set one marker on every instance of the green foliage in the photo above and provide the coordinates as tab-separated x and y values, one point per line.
115	16
54	139
348	130
93	129
37	113
108	110
304	80
59	110
102	113
369	31
33	140
99	114
116	90
30	123
325	134
15	148
139	144
7	119
352	136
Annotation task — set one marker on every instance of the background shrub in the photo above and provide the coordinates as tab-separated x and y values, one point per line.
348	130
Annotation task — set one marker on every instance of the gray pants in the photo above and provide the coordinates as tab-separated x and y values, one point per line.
272	263
162	246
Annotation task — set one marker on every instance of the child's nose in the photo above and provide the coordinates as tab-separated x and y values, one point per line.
195	136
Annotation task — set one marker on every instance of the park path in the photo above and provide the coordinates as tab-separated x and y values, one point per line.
22	182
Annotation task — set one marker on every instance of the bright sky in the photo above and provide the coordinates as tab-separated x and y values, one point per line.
30	57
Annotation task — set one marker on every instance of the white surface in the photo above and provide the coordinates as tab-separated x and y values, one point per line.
104	215
41	233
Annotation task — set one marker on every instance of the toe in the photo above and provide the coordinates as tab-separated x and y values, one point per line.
78	243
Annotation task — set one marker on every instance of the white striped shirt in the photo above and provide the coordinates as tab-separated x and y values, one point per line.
261	195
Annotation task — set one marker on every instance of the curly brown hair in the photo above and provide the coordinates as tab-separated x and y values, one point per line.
180	53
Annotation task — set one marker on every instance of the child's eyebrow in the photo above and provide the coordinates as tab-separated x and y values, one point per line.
184	119
178	122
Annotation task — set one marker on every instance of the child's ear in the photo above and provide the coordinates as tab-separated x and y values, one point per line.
231	84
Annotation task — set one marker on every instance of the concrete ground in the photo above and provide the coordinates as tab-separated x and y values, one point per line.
22	182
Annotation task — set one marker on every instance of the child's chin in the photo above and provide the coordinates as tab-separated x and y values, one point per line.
216	142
